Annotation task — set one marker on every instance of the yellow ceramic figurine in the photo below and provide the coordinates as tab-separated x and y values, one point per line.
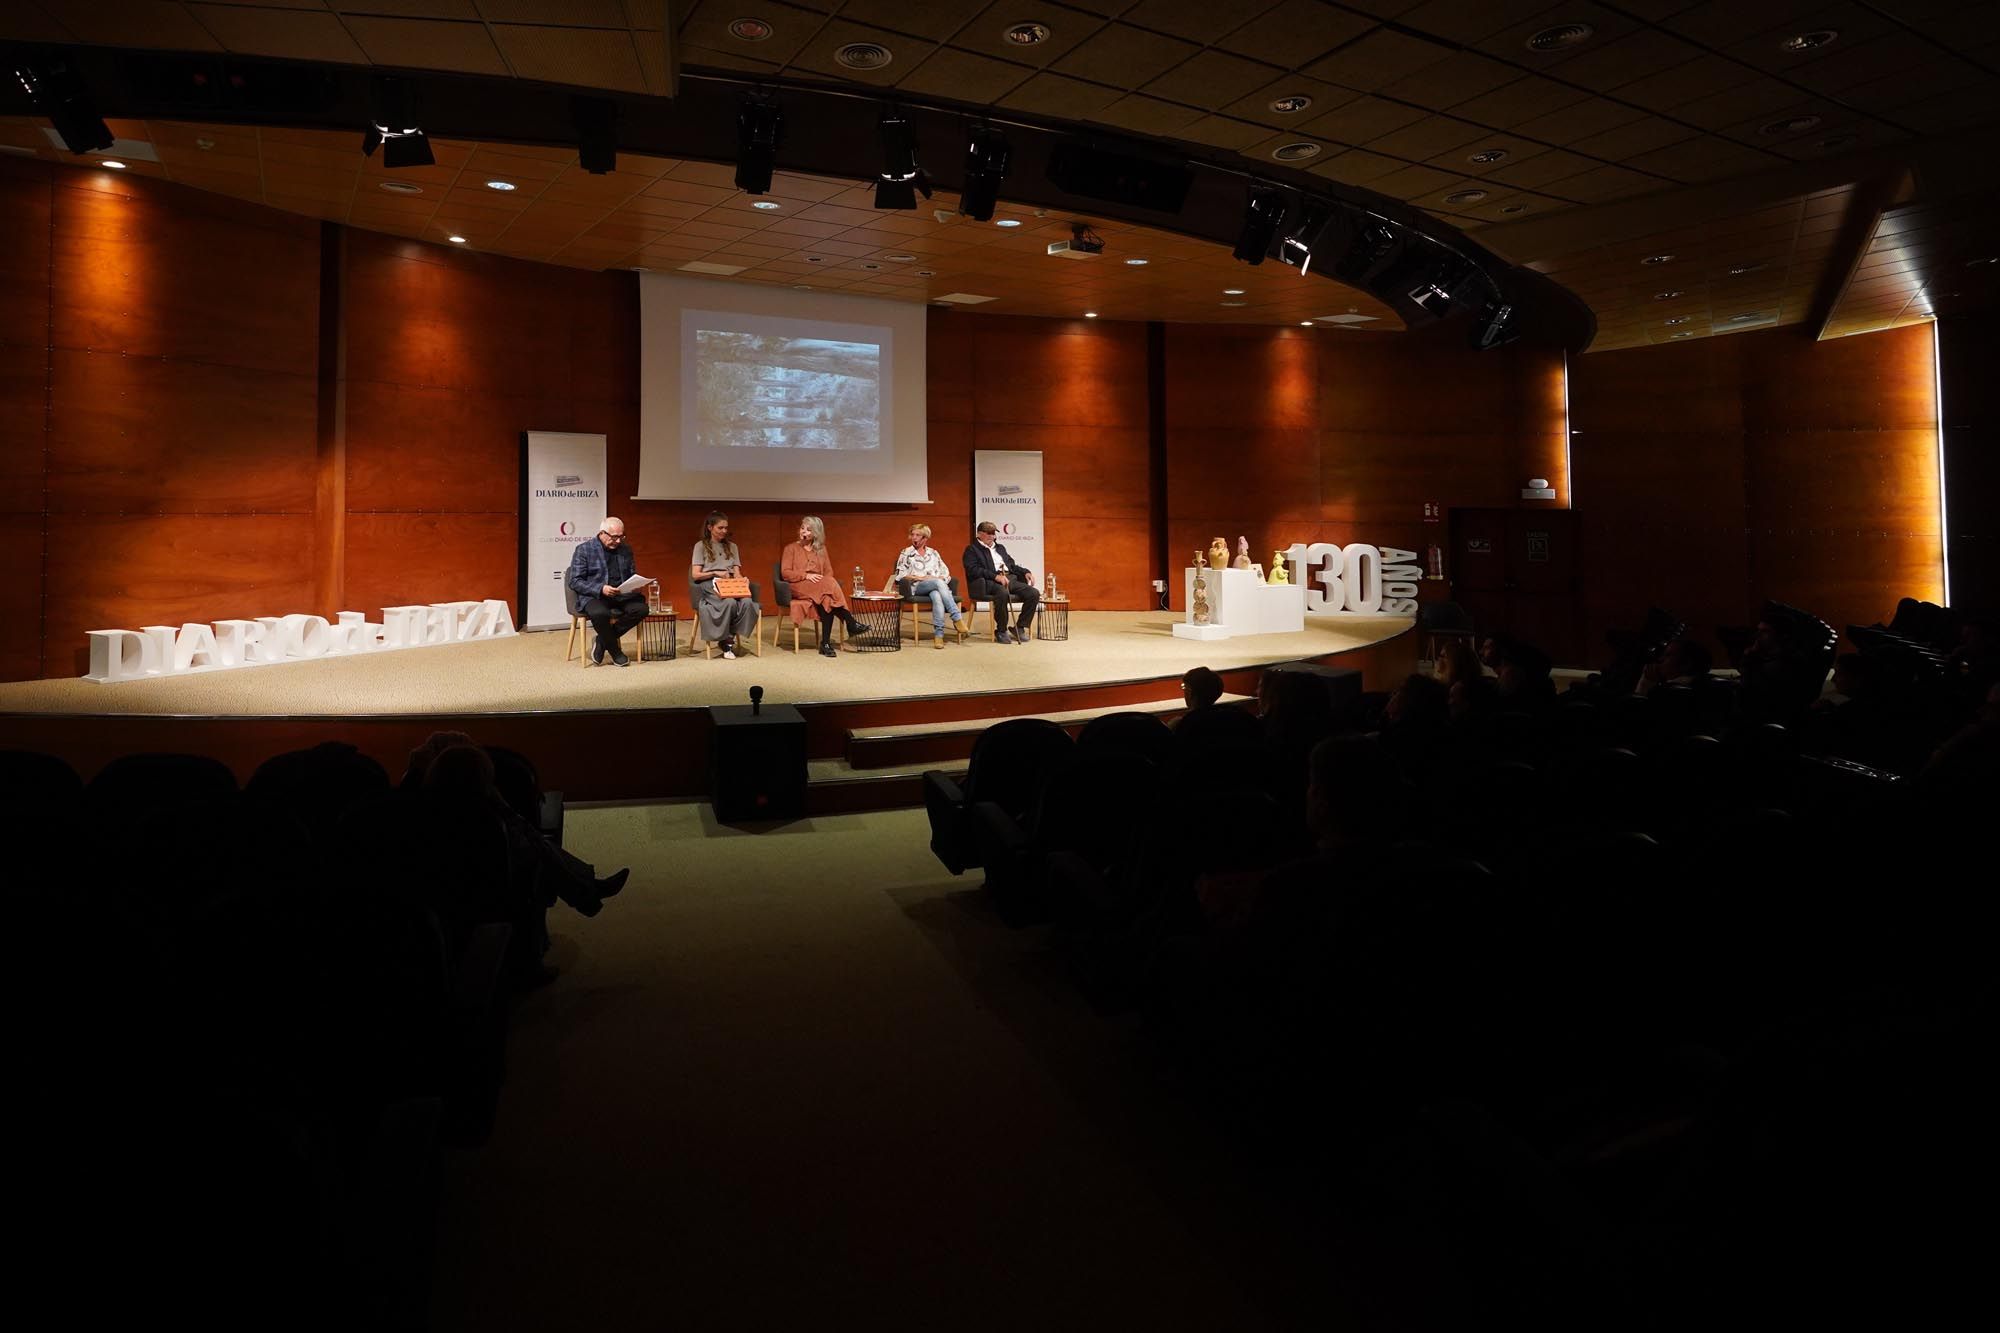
1218	554
1278	574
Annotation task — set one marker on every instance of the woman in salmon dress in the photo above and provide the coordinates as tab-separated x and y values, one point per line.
815	591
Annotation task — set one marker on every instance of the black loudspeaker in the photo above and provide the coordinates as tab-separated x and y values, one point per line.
1119	178
757	763
1343	685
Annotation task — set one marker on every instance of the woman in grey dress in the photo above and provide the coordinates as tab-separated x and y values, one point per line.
715	556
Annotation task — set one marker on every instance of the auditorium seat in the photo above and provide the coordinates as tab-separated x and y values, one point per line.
1092	804
141	781
1009	762
1141	734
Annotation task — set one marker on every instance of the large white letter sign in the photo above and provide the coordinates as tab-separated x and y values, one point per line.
162	650
1355	579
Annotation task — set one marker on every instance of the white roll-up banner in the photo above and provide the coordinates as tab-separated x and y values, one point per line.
563	484
1007	488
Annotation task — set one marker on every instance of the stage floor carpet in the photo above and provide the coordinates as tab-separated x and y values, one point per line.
527	674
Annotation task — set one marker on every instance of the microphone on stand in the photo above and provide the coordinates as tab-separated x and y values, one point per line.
756	701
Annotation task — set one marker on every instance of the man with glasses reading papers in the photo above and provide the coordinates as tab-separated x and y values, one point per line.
608	594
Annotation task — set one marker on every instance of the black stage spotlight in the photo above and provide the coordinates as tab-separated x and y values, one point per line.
1372	242
596	141
901	179
760	129
986	160
1263	211
395	128
56	90
1297	247
1495	325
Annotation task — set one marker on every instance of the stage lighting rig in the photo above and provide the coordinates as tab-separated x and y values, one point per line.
1495	325
596	140
760	131
395	128
1297	247
901	179
56	90
987	156
1372	243
1263	213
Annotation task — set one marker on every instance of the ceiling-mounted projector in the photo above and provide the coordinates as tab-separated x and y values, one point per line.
1083	243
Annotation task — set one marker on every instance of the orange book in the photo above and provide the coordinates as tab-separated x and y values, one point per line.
728	587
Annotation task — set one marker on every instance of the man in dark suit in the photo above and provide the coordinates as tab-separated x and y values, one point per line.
596	571
991	575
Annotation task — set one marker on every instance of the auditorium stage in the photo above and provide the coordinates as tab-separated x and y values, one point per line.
615	733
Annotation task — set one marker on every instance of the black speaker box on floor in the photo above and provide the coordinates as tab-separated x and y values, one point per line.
757	763
1343	685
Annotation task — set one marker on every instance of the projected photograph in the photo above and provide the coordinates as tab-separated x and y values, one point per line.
761	391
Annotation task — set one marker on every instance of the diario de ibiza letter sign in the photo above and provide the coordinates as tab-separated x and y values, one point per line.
162	650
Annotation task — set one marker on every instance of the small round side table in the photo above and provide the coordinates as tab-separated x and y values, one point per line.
1052	621
658	635
882	614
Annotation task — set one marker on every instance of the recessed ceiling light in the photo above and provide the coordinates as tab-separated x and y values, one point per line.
766	205
899	259
1810	41
1680	335
1136	263
1667	295
1790	125
502	186
800	287
1238	291
1236	303
871	267
1486	155
400	187
927	273
1305	323
1008	222
750	30
456	239
1747	315
863	55
1657	259
1513	208
204	144
815	259
113	163
1295	152
1465	196
1680	319
1561	37
1090	314
1291	106
1026	34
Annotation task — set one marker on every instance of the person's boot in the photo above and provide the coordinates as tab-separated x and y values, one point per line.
855	628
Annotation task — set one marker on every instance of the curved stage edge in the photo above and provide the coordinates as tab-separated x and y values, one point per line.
624	754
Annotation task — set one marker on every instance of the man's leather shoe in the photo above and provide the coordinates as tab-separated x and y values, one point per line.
609	886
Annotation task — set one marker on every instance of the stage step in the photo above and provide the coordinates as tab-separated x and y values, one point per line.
922	745
836	787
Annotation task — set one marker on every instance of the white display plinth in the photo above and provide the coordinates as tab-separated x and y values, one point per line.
1189	630
1240	603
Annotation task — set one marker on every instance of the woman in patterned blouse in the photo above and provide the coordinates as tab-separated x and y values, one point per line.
922	572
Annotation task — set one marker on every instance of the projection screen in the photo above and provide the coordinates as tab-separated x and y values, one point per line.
753	393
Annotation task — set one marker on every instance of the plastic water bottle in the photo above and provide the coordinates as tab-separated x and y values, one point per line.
860	585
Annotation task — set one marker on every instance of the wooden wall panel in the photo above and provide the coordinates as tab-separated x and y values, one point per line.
409	559
21	598
118	571
26	205
149	435
1714	475
1287	435
430	449
24	388
139	268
